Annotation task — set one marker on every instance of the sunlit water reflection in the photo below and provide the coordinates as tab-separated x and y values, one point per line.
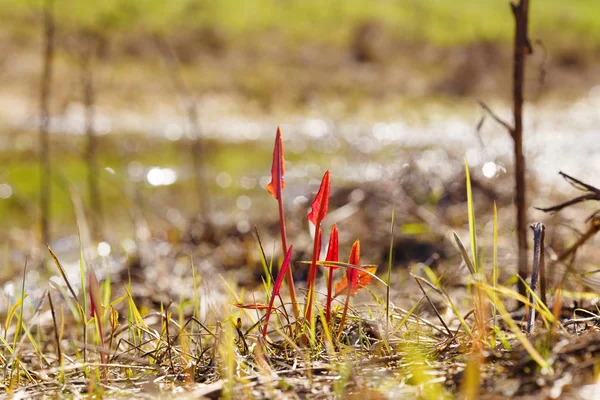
556	137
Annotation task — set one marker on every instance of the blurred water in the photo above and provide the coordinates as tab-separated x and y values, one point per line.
556	138
558	135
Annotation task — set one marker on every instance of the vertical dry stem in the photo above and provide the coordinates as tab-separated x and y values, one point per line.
521	49
46	84
188	102
538	271
91	152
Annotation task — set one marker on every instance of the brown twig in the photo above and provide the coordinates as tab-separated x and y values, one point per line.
587	235
581	320
166	318
435	310
497	118
56	334
537	270
539	258
593	193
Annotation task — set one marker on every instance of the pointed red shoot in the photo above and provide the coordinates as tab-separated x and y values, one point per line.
332	251
274	188
354	258
321	202
332	255
277	169
282	272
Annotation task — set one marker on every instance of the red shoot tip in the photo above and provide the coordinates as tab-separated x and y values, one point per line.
321	202
354	259
332	251
277	169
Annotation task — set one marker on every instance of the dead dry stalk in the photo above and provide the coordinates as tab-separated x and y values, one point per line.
45	90
186	98
91	153
538	270
522	48
539	261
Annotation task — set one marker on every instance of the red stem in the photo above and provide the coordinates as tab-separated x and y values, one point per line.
275	188
104	370
343	321
288	277
268	315
312	274
329	290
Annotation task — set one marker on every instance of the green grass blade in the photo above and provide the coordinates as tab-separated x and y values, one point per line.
471	218
389	277
267	266
63	274
463	254
495	259
11	313
84	297
196	313
328	337
20	319
530	348
410	312
454	309
538	305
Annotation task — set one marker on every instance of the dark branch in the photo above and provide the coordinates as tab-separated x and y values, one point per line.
576	183
496	118
593	193
560	206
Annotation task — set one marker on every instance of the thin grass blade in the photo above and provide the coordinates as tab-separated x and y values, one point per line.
471	209
464	255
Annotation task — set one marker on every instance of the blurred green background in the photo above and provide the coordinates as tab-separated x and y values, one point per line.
248	66
437	22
